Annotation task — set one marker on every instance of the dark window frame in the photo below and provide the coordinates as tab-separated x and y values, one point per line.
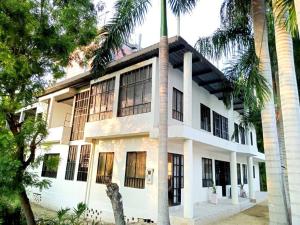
71	162
177	104
245	174
46	172
253	171
83	164
251	138
101	100
220	126
205	117
207	172
130	82
105	176
242	135
236	133
175	178
239	174
135	181
80	114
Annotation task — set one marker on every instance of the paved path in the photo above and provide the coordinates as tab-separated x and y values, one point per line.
256	215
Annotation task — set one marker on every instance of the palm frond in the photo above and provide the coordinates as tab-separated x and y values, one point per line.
182	6
243	71
128	14
287	12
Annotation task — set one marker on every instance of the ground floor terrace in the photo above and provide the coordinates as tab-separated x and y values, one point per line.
132	163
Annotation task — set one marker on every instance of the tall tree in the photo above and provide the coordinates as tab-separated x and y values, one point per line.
230	40
277	211
289	107
36	39
128	14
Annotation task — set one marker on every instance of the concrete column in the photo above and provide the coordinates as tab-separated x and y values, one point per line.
188	209
250	183
233	175
116	96
50	112
187	89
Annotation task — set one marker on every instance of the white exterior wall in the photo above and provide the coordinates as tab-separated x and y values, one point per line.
140	133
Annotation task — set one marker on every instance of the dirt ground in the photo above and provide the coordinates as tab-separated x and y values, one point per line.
257	215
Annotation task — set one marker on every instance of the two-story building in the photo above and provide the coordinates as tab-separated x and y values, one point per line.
106	130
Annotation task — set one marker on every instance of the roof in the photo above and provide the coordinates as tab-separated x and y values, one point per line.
204	73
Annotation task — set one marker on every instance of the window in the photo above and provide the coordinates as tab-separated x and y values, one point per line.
83	165
175	178
71	162
80	115
251	138
242	134
135	170
245	175
205	118
253	171
135	91
101	101
177	106
105	167
207	174
239	178
50	165
220	126
236	133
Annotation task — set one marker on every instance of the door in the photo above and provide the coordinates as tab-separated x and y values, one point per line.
175	178
222	172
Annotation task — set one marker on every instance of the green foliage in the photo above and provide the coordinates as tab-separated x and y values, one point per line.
65	217
263	178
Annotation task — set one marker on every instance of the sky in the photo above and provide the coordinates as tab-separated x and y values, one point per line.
202	21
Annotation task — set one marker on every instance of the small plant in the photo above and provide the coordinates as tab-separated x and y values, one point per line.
64	217
213	188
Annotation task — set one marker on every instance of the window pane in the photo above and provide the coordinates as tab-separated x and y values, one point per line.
71	162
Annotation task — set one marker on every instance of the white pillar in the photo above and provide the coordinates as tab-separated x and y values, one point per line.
233	175
22	116
178	25
187	89
188	209
250	172
50	112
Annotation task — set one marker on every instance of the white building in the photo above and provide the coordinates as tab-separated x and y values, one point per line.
106	129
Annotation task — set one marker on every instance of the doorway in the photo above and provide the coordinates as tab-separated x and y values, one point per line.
175	178
222	172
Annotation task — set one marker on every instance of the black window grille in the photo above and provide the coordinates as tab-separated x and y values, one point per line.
205	118
239	177
175	178
245	174
236	133
251	138
83	165
242	134
101	100
135	91
177	106
71	163
105	167
207	173
80	115
220	126
135	170
50	165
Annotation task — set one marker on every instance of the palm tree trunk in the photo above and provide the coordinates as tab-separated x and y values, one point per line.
290	109
26	208
277	210
163	207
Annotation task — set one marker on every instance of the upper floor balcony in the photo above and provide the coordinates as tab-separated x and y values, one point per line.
125	102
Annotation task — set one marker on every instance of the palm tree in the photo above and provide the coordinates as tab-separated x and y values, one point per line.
227	42
289	107
128	14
